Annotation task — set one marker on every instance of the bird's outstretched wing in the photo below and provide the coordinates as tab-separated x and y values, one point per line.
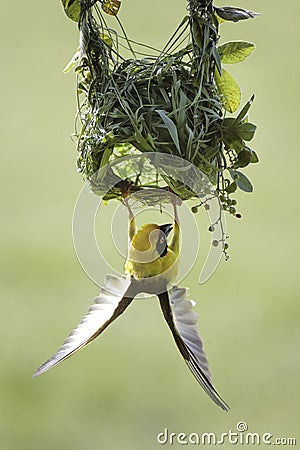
182	321
111	302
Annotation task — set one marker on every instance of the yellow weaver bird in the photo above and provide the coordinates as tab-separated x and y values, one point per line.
151	267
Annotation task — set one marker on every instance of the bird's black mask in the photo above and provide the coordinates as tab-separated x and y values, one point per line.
162	245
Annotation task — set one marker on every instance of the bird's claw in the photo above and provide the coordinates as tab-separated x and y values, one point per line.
175	199
126	188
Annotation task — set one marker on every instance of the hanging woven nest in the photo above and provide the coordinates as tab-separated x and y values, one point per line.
172	101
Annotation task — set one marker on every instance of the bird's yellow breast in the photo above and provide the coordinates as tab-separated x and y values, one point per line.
143	259
165	267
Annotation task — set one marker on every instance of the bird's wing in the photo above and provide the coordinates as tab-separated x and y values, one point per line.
182	321
111	302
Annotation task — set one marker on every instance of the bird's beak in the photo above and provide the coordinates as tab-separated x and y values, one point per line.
166	228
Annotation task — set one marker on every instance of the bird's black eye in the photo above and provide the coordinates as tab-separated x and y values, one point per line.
161	245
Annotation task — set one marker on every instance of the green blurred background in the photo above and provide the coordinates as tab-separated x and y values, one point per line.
131	383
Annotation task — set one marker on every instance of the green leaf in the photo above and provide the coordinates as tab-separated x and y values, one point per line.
72	9
242	181
235	51
245	131
243	113
111	7
254	157
197	32
107	39
171	127
234	14
231	187
217	57
106	155
229	89
72	63
219	19
228	122
242	131
244	158
236	144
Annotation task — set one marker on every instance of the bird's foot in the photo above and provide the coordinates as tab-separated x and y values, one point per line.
126	188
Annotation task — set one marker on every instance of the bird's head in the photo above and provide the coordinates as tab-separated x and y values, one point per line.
151	239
